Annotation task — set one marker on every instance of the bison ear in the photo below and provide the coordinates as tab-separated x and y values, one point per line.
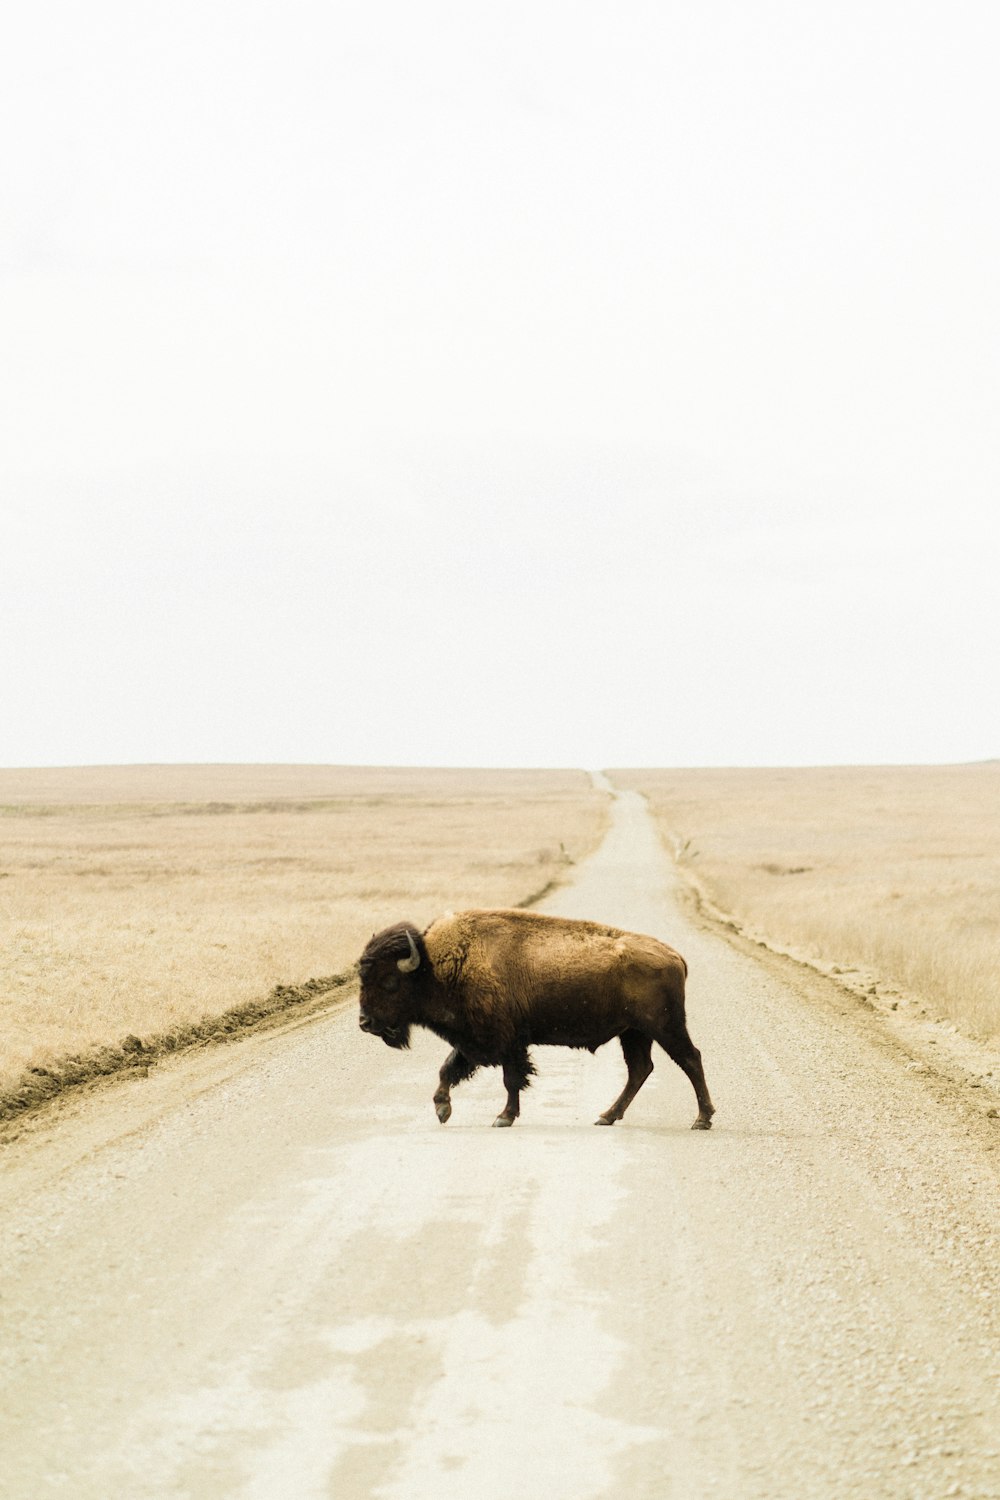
407	965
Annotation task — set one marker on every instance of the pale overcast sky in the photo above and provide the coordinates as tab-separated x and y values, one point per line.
550	383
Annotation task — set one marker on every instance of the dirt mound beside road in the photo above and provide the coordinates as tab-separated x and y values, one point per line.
135	1055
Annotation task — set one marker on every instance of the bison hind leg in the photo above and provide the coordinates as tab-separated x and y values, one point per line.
679	1046
636	1048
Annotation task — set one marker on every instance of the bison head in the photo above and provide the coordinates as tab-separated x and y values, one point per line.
390	973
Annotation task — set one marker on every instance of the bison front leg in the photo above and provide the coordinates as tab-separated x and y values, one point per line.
456	1067
517	1073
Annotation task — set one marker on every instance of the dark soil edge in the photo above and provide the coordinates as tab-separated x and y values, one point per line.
134	1055
540	895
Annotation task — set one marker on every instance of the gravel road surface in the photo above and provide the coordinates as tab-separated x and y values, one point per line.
267	1271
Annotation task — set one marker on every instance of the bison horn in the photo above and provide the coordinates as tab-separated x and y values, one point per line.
407	965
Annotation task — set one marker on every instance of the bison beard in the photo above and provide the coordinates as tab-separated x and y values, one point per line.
493	983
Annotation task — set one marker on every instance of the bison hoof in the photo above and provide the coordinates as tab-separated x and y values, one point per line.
443	1107
502	1121
701	1124
605	1120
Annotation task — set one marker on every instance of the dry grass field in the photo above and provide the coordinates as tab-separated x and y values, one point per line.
894	870
138	899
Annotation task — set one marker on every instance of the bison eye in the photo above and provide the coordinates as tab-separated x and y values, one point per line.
388	982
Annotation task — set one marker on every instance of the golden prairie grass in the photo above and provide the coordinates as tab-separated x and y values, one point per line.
895	870
135	899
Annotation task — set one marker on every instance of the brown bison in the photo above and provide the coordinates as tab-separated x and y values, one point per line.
494	983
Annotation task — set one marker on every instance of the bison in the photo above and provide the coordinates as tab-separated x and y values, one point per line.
494	983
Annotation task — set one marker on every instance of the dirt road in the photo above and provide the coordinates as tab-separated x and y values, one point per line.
268	1271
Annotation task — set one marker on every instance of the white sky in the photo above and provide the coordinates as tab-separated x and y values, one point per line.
548	383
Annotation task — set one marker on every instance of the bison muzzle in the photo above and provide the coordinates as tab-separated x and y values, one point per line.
494	983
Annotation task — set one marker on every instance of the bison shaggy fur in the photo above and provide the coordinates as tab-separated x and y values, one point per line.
493	983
